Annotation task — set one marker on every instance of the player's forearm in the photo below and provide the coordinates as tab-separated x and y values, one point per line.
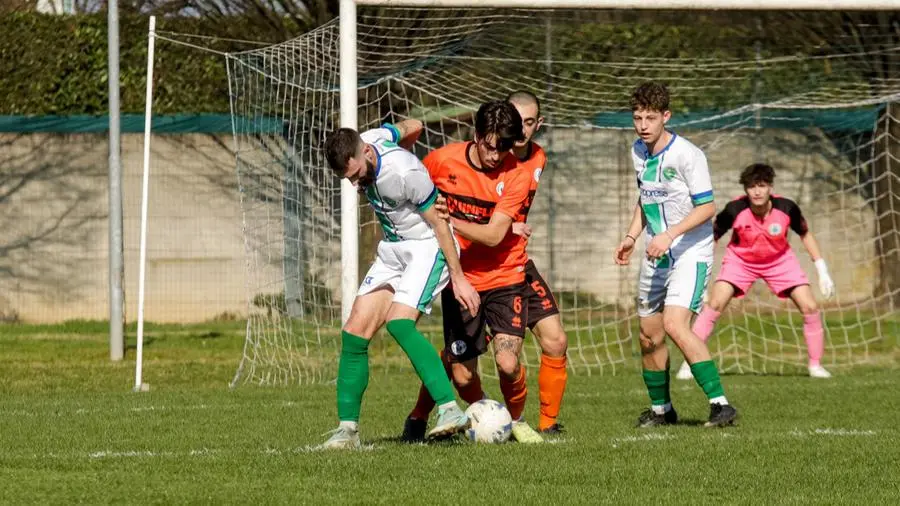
812	246
445	241
698	216
490	234
410	130
637	222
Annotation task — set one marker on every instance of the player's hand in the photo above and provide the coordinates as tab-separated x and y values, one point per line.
624	251
658	246
826	285
465	294
523	229
440	205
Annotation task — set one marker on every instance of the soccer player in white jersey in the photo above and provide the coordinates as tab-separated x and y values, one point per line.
676	208
415	261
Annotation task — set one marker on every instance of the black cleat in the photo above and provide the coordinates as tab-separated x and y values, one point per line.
650	419
554	430
721	415
414	430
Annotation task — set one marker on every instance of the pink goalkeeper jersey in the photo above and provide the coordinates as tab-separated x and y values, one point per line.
756	241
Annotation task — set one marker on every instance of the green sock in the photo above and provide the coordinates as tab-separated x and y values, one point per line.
657	386
353	376
707	376
424	359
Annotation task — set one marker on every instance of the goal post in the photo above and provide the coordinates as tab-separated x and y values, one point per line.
349	196
812	113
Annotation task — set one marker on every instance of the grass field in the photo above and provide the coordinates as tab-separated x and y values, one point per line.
71	430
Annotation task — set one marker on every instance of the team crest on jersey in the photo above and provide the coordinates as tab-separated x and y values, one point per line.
537	174
668	173
458	347
500	188
775	229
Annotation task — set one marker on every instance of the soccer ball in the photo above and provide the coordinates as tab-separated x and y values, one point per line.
491	422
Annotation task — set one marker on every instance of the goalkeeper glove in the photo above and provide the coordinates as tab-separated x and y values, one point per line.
826	285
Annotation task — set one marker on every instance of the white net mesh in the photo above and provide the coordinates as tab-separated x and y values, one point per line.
818	114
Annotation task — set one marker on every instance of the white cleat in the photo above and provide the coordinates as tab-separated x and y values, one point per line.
684	373
342	438
449	422
817	371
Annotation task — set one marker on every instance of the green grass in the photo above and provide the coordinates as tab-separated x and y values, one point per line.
72	431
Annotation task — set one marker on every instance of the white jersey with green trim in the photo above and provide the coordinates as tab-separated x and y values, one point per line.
402	188
671	184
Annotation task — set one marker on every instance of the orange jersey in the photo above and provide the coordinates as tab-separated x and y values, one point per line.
474	196
533	165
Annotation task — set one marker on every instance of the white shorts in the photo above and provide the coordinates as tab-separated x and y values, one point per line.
664	283
414	269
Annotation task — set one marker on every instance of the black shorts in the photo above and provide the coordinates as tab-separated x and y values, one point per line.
502	309
540	300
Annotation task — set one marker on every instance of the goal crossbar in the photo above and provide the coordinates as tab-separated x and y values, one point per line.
855	5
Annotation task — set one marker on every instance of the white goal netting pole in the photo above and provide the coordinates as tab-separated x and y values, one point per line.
145	196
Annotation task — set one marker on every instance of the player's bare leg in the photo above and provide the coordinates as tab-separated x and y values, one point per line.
813	331
720	294
655	363
366	317
553	376
507	349
677	324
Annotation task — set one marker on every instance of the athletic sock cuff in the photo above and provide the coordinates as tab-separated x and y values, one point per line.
354	344
555	362
400	328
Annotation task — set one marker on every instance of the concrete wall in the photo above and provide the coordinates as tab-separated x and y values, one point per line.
53	251
54	263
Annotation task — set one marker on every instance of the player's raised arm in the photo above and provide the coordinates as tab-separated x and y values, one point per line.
409	131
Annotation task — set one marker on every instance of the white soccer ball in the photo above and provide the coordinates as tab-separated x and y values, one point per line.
491	422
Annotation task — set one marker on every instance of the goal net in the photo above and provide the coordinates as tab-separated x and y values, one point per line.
744	91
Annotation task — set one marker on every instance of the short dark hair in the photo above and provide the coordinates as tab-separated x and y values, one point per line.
651	96
757	173
524	97
341	146
499	118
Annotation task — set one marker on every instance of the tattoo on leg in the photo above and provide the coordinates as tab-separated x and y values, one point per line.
509	344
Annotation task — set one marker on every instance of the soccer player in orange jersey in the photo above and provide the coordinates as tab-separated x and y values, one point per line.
543	313
485	192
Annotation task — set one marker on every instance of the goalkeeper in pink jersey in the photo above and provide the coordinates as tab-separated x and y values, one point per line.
759	249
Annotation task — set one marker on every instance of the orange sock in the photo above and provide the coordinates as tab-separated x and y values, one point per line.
514	393
552	378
